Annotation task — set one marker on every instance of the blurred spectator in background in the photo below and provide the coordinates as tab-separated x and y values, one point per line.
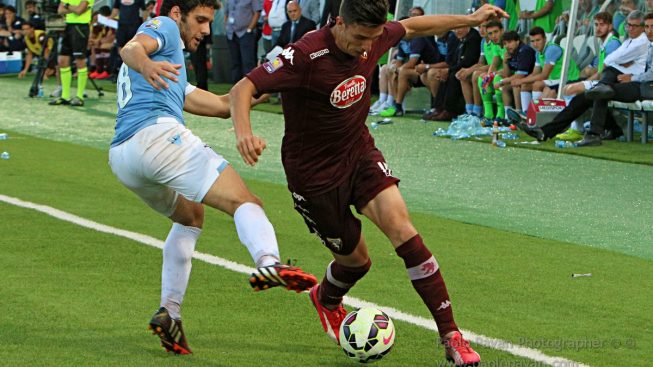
311	10
33	15
150	11
587	9
297	25
266	30
11	32
128	13
34	39
100	43
620	15
276	18
241	17
473	104
446	45
545	14
466	54
511	7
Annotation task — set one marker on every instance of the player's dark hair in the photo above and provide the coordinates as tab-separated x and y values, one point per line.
418	8
30	2
510	36
648	16
604	17
186	6
368	13
537	30
10	8
493	24
104	11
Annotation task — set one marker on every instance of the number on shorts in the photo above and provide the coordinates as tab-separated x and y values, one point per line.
124	86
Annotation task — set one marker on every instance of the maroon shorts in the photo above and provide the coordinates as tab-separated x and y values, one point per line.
329	215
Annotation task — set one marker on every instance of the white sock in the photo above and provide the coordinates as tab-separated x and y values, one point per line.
537	95
383	97
525	100
576	126
177	254
390	100
257	234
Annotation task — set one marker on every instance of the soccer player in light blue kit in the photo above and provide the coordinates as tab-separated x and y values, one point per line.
173	171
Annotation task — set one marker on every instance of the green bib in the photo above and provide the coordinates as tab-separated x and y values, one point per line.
490	50
547	22
574	72
602	52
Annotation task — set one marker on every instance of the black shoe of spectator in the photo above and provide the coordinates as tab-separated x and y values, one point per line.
430	114
533	131
611	134
600	91
589	140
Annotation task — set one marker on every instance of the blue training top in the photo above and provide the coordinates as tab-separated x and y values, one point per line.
139	104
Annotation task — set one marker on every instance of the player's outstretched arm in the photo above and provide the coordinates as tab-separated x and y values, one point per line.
136	55
430	25
249	146
202	103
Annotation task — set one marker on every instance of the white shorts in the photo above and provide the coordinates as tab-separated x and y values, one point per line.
551	82
165	160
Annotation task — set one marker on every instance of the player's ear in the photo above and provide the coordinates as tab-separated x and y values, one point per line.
175	13
339	20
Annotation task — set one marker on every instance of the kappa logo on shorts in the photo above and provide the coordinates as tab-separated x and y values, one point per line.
349	92
384	167
334	243
298	197
272	66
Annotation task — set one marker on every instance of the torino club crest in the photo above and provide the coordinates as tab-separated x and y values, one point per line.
348	92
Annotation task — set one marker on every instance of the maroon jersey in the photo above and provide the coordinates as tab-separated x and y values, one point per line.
326	99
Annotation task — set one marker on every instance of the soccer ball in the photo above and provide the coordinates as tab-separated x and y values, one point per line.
367	334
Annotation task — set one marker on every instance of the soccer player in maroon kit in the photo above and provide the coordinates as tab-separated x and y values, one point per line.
330	158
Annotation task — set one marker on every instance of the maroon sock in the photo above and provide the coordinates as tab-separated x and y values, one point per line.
424	273
338	280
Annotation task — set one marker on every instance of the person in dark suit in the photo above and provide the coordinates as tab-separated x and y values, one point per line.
296	26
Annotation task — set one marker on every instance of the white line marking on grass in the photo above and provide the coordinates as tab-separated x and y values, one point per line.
498	344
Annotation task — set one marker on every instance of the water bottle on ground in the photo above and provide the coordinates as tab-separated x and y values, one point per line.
565	144
4	136
40	93
4	155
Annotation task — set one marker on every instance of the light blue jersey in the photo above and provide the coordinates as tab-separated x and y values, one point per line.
139	104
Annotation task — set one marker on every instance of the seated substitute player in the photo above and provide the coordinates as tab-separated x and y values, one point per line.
330	158
173	171
518	62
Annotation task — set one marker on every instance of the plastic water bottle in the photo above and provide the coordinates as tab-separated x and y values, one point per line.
440	132
4	136
5	155
509	136
374	125
501	144
565	144
40	93
495	133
